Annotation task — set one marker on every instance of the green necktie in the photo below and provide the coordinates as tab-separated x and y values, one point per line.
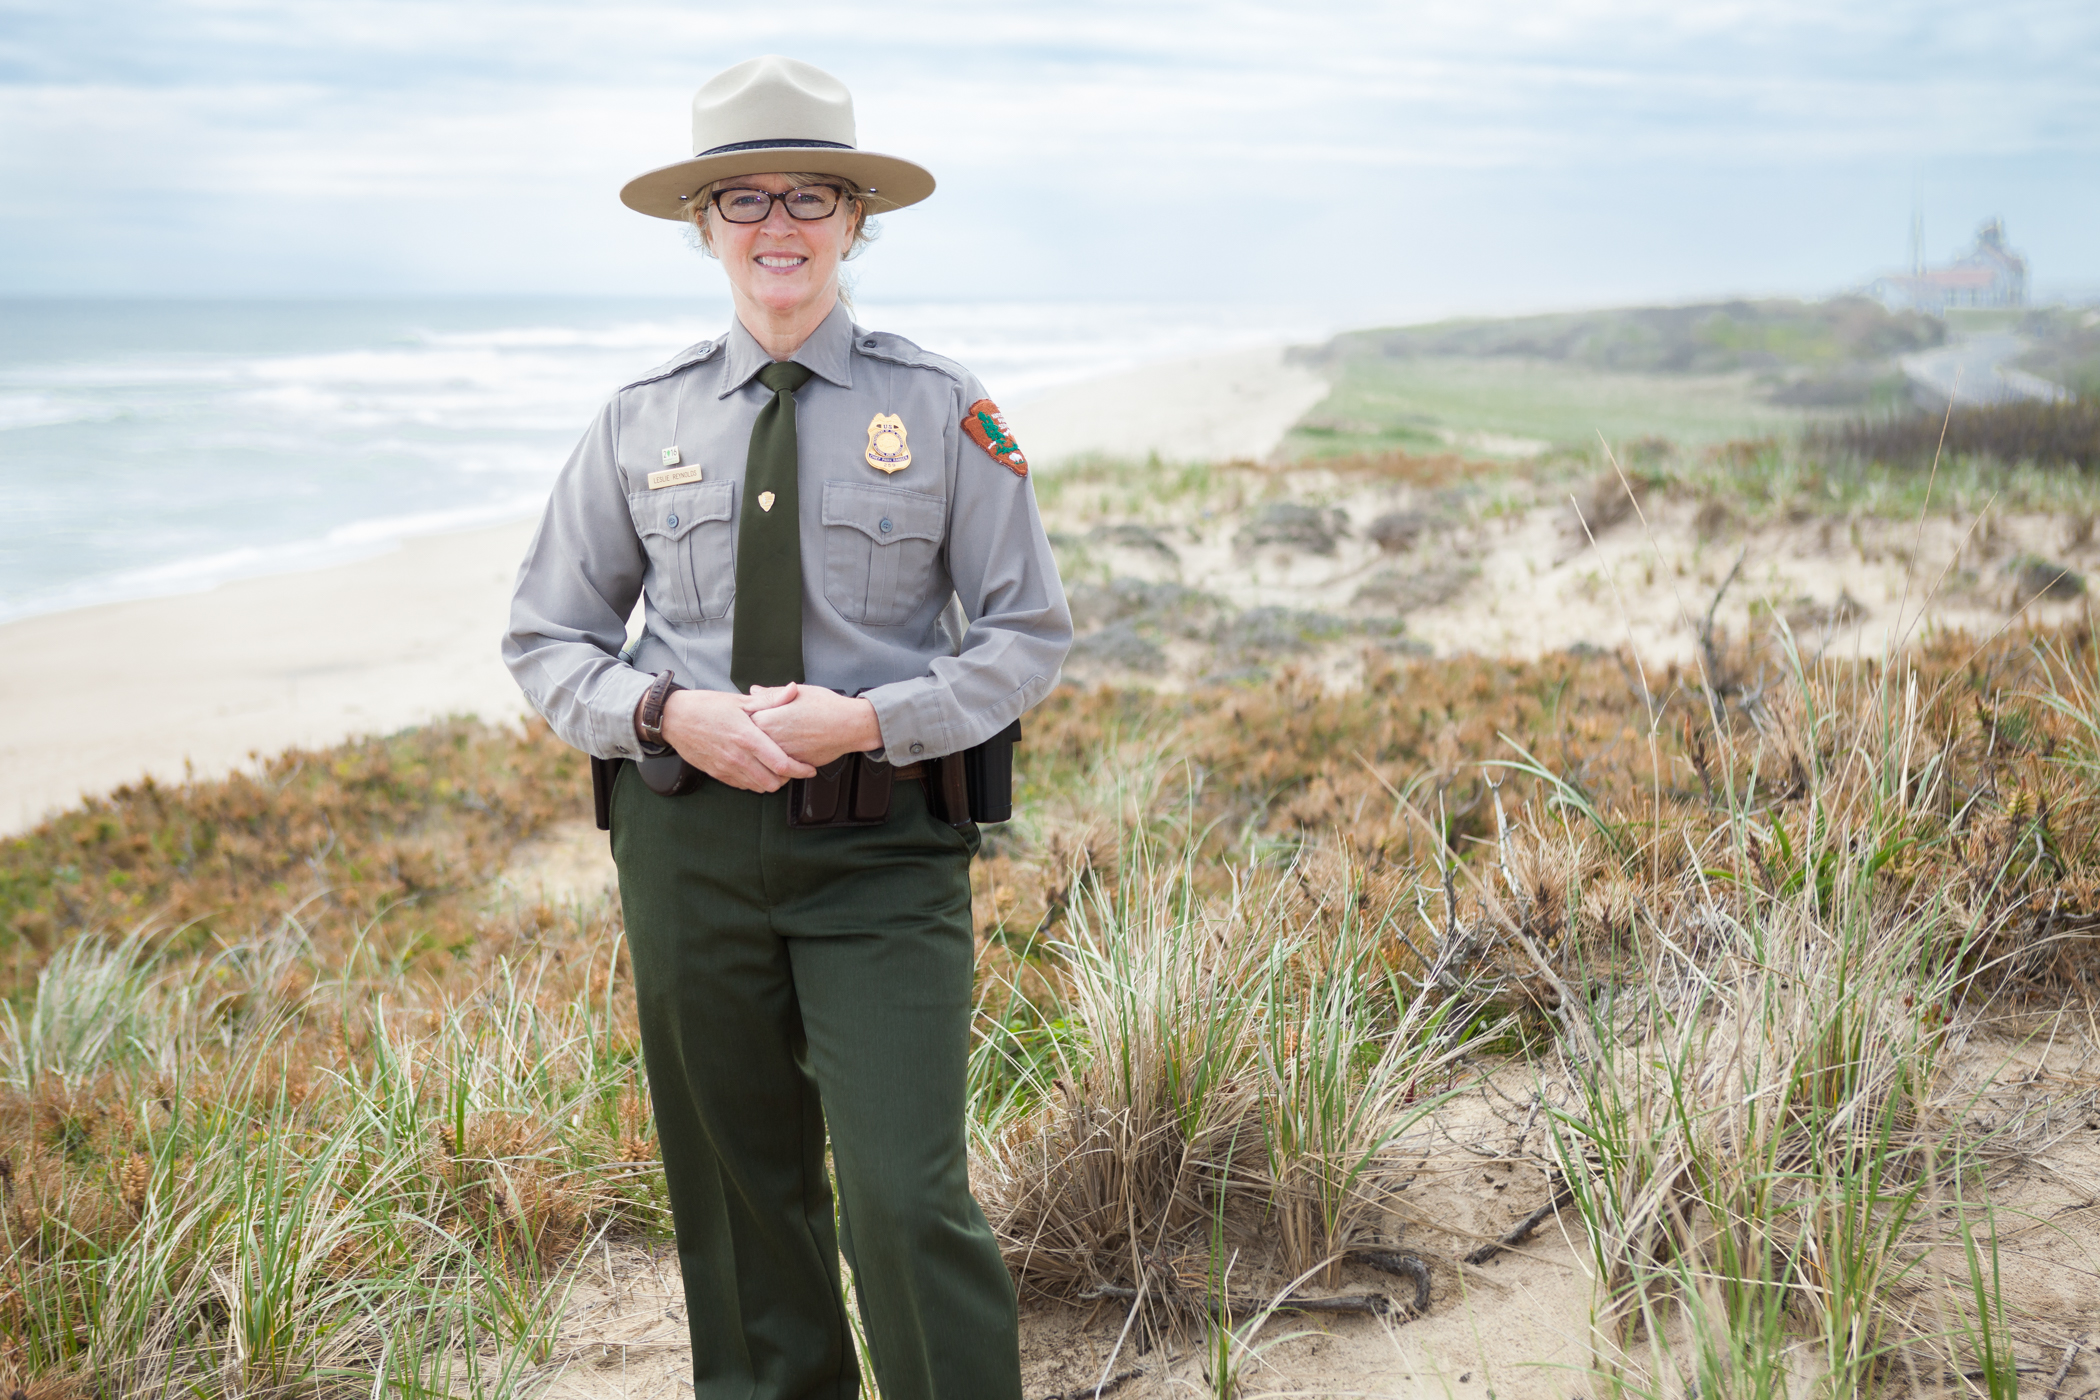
765	645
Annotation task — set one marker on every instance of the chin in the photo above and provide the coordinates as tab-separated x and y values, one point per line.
789	297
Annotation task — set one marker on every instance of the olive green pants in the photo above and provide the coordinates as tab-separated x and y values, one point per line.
794	980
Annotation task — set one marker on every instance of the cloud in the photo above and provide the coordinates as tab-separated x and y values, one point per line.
425	125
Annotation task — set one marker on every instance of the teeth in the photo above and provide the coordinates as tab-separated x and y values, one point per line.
780	262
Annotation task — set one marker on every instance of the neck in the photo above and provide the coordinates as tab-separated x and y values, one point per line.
781	333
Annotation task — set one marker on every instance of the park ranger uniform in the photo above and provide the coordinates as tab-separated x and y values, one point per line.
793	979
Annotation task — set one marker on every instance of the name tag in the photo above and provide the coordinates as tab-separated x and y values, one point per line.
676	476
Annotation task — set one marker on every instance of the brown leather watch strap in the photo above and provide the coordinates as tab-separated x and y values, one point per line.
649	713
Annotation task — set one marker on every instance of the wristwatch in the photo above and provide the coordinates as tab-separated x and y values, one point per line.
649	714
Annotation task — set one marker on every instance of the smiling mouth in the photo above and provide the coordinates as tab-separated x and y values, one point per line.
782	261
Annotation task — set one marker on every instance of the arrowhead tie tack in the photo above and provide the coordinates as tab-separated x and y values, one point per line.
765	500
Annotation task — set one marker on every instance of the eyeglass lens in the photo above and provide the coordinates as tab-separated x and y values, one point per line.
752	206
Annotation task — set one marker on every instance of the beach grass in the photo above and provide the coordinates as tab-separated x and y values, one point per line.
1777	480
1747	934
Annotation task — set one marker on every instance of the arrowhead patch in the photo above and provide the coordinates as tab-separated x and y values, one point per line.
986	426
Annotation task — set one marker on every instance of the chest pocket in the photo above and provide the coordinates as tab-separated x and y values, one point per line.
691	541
880	546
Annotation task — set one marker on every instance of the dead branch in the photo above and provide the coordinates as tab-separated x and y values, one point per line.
2056	1382
1227	1307
1524	1227
1405	1266
1092	1392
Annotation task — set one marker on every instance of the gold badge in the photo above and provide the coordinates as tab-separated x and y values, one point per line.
765	501
887	449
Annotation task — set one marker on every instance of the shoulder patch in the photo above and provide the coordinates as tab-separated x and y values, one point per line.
986	426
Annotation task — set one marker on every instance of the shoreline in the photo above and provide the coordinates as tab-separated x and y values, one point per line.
191	684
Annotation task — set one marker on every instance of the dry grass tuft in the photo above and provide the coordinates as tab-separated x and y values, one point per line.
2064	433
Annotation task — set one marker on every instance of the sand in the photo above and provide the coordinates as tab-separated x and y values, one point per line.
1212	408
98	697
1518	576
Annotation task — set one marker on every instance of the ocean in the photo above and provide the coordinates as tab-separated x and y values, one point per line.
152	447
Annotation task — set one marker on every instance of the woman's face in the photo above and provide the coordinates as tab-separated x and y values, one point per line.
783	264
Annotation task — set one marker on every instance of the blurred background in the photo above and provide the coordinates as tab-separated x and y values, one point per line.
288	283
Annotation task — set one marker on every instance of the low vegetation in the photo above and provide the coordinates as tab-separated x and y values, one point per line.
1708	338
2061	434
312	1116
1823	376
2064	346
381	839
1698	374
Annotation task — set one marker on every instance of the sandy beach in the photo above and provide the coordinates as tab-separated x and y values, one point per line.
98	697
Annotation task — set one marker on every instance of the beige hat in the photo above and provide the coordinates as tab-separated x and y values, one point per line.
775	114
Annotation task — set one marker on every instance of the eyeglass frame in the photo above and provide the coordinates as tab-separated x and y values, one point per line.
714	199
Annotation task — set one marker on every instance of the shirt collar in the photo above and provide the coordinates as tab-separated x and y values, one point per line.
827	353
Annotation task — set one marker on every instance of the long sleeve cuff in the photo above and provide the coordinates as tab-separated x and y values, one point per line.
612	714
921	718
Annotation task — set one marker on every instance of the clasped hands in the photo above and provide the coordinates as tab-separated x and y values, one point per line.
759	741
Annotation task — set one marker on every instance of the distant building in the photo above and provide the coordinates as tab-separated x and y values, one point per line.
1990	274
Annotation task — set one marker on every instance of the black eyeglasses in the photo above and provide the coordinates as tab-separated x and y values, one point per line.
804	202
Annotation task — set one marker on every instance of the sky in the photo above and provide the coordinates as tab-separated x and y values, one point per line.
1371	161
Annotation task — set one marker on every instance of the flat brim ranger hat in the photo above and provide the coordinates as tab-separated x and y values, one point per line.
775	114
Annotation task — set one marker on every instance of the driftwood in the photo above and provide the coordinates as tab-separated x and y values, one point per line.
1524	1227
1405	1266
2056	1382
1227	1307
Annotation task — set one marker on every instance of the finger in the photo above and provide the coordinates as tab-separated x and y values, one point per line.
751	781
760	778
767	697
786	764
759	746
747	739
740	770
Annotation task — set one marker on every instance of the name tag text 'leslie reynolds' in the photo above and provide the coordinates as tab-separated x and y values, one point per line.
676	476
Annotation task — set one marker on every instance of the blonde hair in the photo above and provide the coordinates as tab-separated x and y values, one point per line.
864	230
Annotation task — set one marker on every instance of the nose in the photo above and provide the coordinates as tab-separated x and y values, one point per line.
777	221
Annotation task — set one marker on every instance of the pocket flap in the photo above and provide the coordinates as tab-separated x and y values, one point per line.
674	511
883	513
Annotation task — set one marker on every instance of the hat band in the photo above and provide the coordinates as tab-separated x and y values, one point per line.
771	145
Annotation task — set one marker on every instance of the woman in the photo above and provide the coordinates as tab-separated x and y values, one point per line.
838	554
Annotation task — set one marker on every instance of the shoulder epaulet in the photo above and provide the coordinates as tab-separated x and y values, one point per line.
692	355
882	345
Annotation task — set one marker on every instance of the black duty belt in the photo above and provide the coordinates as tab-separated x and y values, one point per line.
975	785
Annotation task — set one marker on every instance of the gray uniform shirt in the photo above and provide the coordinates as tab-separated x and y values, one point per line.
930	590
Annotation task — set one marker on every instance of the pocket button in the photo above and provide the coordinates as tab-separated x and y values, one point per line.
885	526
672	522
